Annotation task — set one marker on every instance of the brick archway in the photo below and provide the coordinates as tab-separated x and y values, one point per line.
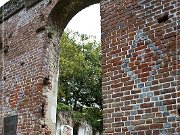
61	15
31	29
140	65
57	20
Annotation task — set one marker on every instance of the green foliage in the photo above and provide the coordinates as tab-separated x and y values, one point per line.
77	116
26	3
63	107
80	78
80	71
94	117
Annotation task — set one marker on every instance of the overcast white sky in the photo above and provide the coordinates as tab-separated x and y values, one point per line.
87	21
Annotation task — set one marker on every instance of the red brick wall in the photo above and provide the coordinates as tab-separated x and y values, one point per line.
140	64
140	67
28	86
25	65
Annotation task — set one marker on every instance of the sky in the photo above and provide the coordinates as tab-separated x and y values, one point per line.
86	21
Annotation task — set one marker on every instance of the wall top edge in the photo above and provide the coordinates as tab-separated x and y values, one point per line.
13	6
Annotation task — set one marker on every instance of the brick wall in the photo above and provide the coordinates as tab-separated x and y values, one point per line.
140	64
31	30
140	67
1	67
25	67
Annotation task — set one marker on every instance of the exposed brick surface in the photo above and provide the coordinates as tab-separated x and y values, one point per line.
140	64
144	54
30	59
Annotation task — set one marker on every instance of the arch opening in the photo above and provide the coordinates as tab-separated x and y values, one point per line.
63	12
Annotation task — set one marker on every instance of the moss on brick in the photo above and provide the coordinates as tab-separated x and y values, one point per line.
14	6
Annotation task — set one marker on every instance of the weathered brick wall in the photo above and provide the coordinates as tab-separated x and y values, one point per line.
1	65
30	32
140	67
140	64
31	57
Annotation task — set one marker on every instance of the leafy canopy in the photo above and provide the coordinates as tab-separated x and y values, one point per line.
80	78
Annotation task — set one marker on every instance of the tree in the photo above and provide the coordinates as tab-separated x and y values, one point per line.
80	76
